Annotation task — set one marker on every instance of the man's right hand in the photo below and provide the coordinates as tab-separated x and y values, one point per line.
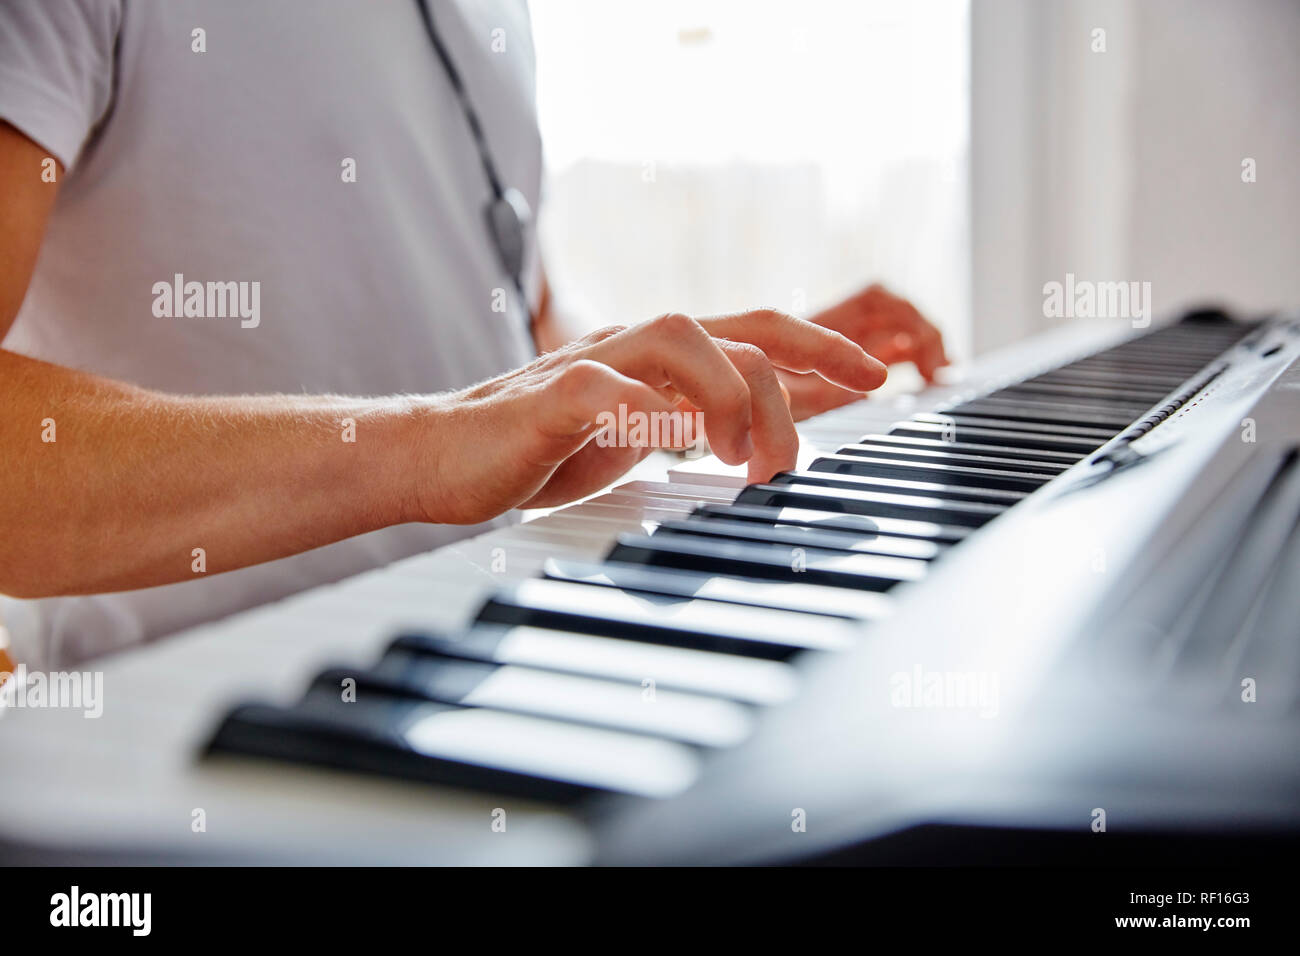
526	438
138	481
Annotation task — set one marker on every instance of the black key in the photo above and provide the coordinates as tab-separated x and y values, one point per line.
797	536
1121	358
1163	343
697	623
1117	366
833	568
995	436
860	524
1048	413
1098	392
1127	368
680	582
1016	425
746	679
1172	353
911	443
468	747
1106	378
970	514
622	705
947	474
933	489
1127	396
1156	353
1105	393
936	456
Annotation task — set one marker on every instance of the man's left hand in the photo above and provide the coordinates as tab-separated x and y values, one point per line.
888	327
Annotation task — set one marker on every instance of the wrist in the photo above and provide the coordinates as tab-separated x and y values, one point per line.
385	443
416	435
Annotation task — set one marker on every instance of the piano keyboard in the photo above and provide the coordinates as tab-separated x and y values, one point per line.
627	672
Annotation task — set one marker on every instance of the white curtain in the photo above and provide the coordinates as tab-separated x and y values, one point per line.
1108	141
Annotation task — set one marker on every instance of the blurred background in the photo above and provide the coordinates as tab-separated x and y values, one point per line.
710	155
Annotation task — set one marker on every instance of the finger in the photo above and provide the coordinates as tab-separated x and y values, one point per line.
584	398
675	351
776	443
899	315
627	418
590	468
809	394
931	357
906	340
890	347
895	347
930	353
801	346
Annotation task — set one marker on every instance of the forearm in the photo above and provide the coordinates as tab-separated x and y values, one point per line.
108	487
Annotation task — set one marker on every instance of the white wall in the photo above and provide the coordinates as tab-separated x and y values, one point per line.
1126	164
1217	82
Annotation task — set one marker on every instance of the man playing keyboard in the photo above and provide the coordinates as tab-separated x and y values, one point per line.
251	313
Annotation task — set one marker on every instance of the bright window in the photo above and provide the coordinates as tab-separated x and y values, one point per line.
710	156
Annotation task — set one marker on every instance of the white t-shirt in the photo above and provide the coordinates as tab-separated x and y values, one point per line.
230	165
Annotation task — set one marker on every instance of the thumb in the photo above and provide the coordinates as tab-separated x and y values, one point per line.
588	397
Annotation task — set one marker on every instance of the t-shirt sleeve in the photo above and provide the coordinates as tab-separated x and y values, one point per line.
56	69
